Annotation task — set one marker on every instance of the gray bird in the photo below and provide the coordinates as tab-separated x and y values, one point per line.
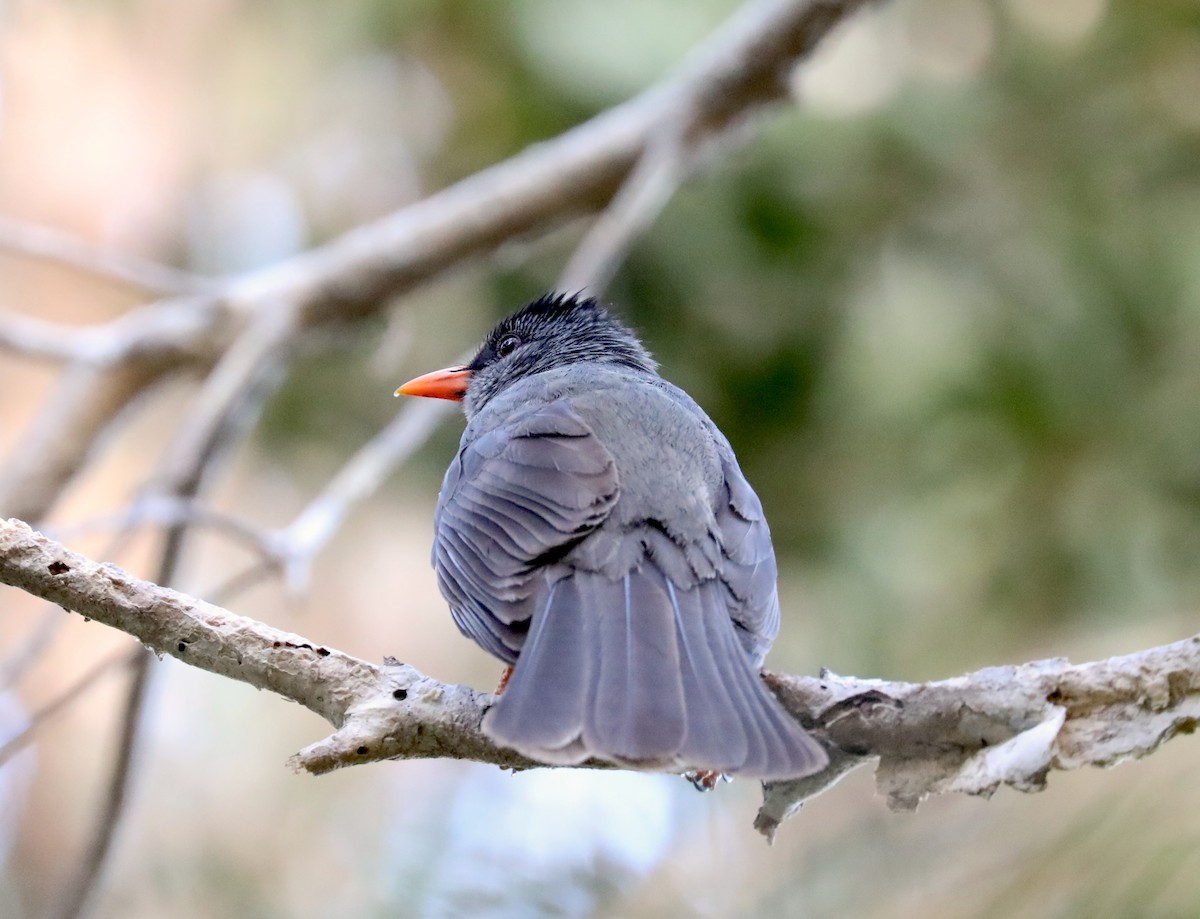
595	533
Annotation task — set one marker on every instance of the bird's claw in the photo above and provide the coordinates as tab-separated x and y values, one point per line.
706	779
504	678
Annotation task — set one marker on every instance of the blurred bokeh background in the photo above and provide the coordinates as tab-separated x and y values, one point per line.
947	309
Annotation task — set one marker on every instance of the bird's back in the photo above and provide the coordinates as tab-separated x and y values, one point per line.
597	529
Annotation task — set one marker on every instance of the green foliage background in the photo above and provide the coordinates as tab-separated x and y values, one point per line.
952	334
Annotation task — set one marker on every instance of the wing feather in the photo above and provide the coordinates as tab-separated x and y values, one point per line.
636	643
514	496
748	568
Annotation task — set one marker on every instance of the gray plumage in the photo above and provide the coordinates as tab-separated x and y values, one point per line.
595	530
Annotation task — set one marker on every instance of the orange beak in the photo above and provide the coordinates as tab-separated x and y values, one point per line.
450	383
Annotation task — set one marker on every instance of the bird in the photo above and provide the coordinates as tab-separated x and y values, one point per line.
595	533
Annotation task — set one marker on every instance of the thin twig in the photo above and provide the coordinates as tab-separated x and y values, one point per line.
81	884
86	402
360	477
230	391
18	663
634	208
20	740
258	355
238	583
292	548
165	511
49	244
32	337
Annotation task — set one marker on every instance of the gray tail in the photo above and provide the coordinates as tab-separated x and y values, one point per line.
639	673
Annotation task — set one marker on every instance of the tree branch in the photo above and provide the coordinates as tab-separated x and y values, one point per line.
744	67
18	741
295	546
649	187
49	244
970	734
36	338
85	403
231	392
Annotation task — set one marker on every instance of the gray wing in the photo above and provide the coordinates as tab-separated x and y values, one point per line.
748	569
636	644
645	651
514	500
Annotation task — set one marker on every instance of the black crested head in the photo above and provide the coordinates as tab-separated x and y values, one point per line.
553	331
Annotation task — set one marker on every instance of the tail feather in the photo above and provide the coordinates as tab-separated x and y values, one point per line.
768	754
641	673
542	707
637	708
717	730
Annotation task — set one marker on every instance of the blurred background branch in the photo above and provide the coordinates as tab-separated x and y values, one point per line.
355	275
145	277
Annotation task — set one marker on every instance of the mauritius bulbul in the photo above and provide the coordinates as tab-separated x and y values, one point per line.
595	533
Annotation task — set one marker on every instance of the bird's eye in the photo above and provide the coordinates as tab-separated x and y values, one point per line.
508	344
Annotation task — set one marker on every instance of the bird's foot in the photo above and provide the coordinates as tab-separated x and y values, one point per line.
504	678
705	779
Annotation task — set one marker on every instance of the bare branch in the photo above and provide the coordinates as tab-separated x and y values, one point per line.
254	357
37	338
297	545
745	66
168	511
971	734
130	354
170	623
232	391
85	403
20	740
293	548
79	888
48	244
633	210
999	726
